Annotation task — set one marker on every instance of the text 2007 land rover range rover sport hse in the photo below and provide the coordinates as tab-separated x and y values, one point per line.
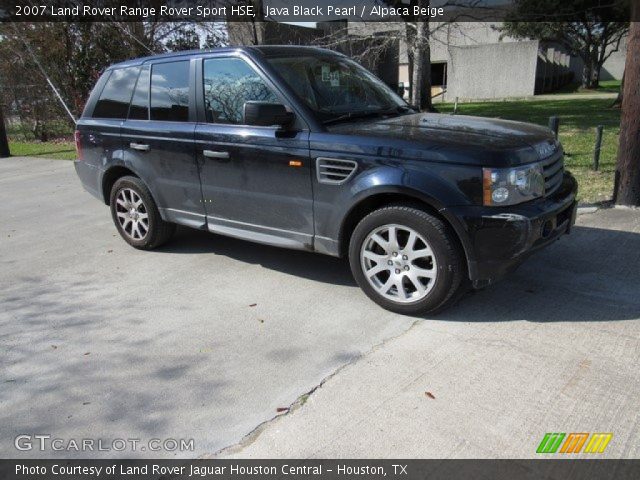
302	148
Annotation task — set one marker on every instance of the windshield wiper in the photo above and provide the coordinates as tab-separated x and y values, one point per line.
352	116
366	114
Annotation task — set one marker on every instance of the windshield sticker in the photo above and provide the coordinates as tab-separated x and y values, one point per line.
326	72
335	79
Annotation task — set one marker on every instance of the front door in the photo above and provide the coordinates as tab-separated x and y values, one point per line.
256	181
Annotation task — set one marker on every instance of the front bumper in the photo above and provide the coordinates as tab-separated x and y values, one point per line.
499	239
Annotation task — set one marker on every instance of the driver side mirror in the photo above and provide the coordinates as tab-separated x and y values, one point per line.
266	114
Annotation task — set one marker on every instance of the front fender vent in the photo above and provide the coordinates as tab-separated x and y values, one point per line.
333	171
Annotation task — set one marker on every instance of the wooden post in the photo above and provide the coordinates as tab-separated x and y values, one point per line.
596	150
627	179
4	141
554	125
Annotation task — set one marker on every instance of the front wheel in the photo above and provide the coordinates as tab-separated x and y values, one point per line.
406	260
136	215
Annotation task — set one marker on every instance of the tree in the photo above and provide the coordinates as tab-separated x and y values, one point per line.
4	142
184	38
216	34
594	32
414	33
420	61
617	103
627	179
70	56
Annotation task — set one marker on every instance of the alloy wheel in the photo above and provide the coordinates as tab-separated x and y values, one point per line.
132	214
398	263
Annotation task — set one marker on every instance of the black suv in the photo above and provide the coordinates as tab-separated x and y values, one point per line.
303	148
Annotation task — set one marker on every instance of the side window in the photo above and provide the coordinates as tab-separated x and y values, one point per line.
228	84
139	109
116	94
170	91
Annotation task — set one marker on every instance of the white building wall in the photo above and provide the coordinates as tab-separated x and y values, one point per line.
498	70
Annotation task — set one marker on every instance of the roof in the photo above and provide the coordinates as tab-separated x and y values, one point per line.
267	50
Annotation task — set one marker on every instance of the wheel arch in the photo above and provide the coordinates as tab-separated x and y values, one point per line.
111	176
382	198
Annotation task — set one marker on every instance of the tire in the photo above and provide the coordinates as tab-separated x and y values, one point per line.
407	279
136	216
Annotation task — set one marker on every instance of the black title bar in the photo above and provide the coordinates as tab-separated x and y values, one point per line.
312	10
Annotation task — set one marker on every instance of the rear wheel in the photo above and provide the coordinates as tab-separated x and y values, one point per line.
136	215
406	260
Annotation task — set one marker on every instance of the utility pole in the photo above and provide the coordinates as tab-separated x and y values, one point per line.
4	142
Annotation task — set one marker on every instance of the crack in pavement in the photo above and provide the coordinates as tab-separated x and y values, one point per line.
299	402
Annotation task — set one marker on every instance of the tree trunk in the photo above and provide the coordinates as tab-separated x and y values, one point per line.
627	180
590	68
4	142
617	103
586	74
421	75
426	103
417	76
410	41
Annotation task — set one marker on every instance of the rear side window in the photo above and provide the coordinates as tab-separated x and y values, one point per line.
139	109
170	91
116	94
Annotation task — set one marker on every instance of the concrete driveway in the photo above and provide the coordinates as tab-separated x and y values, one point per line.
208	337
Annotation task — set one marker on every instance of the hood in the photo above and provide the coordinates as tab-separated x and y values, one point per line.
453	138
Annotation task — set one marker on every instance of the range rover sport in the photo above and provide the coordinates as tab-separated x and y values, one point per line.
302	148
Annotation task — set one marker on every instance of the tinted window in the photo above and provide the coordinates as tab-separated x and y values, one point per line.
116	94
139	109
170	91
228	83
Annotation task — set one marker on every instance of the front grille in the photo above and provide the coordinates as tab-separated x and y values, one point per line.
334	171
553	168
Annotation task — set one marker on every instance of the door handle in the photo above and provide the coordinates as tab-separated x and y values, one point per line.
214	154
139	146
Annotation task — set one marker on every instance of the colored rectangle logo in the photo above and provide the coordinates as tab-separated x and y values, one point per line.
574	442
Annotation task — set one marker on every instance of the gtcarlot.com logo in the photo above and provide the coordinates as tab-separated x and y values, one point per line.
573	443
44	443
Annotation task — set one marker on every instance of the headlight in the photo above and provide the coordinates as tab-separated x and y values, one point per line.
509	186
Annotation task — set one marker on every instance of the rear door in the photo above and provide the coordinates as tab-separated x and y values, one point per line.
256	181
158	140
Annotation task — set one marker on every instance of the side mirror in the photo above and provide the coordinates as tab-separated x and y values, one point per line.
266	114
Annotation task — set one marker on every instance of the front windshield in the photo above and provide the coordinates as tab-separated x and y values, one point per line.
335	87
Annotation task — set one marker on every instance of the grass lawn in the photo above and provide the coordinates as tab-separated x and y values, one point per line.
60	150
578	121
604	86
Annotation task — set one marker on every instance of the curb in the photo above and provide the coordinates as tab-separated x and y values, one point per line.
585	210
